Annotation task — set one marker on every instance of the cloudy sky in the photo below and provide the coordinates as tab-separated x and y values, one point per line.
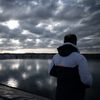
27	24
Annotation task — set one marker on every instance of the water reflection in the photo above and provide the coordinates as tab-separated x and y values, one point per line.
28	74
12	82
39	83
37	66
1	67
24	75
29	68
32	75
15	66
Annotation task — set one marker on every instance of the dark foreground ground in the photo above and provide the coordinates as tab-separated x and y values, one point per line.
9	93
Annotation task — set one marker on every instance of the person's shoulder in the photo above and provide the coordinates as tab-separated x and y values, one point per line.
79	56
55	56
75	54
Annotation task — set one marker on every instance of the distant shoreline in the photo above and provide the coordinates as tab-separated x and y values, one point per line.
38	56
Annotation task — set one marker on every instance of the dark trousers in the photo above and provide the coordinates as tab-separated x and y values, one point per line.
69	93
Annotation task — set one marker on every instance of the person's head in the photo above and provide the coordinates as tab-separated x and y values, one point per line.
72	38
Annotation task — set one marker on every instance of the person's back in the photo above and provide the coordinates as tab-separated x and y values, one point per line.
70	69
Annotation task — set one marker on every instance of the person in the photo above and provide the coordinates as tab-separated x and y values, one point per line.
70	68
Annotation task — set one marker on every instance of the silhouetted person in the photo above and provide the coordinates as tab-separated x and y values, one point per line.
71	70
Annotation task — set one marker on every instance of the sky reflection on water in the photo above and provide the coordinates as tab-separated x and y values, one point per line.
32	75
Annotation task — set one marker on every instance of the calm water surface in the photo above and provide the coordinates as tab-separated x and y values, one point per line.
32	75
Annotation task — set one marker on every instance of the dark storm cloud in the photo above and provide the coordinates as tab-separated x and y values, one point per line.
70	13
94	19
43	23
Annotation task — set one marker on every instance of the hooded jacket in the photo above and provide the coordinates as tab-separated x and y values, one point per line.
68	64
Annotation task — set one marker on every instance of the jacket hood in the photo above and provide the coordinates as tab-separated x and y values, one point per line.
66	49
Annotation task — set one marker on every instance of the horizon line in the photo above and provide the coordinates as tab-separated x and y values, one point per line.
41	50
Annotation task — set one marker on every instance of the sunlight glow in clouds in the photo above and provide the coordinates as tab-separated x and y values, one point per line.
60	7
1	41
25	32
15	42
29	24
34	3
11	24
1	11
52	25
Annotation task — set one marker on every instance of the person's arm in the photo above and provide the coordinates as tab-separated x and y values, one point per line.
50	66
84	72
54	70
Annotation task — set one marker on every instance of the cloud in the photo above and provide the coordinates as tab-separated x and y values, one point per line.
43	23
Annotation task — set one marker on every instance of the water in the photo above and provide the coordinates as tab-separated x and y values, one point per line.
32	76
